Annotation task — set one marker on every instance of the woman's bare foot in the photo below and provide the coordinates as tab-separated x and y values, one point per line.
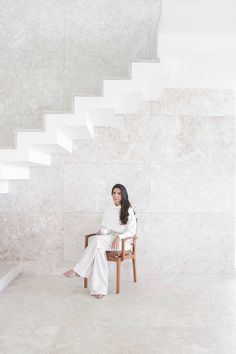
71	273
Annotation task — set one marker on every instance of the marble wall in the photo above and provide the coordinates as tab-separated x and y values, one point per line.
54	50
175	156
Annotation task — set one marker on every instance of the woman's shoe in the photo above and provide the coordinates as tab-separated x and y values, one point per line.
98	296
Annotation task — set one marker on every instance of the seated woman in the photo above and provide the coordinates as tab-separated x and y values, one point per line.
118	222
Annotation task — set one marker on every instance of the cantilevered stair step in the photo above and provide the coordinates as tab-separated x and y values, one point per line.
124	95
34	147
154	77
140	70
71	125
4	187
13	171
60	130
147	78
9	270
98	109
28	157
53	142
115	87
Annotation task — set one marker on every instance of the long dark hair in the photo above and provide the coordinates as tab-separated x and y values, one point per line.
125	203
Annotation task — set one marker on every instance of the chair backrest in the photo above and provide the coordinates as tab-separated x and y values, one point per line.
136	226
135	236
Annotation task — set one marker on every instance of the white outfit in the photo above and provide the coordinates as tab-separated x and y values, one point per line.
93	263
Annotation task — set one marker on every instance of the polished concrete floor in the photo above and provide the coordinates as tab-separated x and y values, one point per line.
173	314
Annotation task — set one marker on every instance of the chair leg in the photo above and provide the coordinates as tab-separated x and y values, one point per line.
85	282
134	269
118	276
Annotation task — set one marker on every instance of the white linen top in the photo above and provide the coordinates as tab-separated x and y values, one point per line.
111	221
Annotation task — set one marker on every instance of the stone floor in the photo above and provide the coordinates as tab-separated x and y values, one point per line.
173	314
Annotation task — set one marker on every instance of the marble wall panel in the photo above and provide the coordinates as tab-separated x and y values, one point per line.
52	184
192	236
99	180
27	43
192	139
99	43
194	102
221	132
33	10
81	83
41	235
179	171
8	126
128	142
183	187
76	226
10	246
42	192
151	267
6	203
31	91
25	195
138	10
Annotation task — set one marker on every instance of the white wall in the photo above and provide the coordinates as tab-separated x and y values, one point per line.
200	37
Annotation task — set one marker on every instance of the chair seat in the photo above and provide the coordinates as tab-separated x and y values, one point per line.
119	252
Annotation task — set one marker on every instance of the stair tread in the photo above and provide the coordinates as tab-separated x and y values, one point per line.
6	267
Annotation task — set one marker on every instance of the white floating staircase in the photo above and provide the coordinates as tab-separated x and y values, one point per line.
34	147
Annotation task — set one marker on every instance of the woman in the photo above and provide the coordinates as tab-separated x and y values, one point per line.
118	222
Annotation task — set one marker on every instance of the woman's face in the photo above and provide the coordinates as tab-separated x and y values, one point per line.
116	195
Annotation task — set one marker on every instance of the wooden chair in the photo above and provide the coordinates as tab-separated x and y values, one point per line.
118	257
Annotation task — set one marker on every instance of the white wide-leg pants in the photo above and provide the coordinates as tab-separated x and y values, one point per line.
94	264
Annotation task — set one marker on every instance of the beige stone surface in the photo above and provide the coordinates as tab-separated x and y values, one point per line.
168	314
213	102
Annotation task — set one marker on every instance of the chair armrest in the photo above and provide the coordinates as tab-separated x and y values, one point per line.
90	235
129	238
86	239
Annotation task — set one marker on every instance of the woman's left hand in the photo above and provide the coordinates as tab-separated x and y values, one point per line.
115	243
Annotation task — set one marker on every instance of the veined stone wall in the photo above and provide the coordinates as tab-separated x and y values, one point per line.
52	50
175	156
